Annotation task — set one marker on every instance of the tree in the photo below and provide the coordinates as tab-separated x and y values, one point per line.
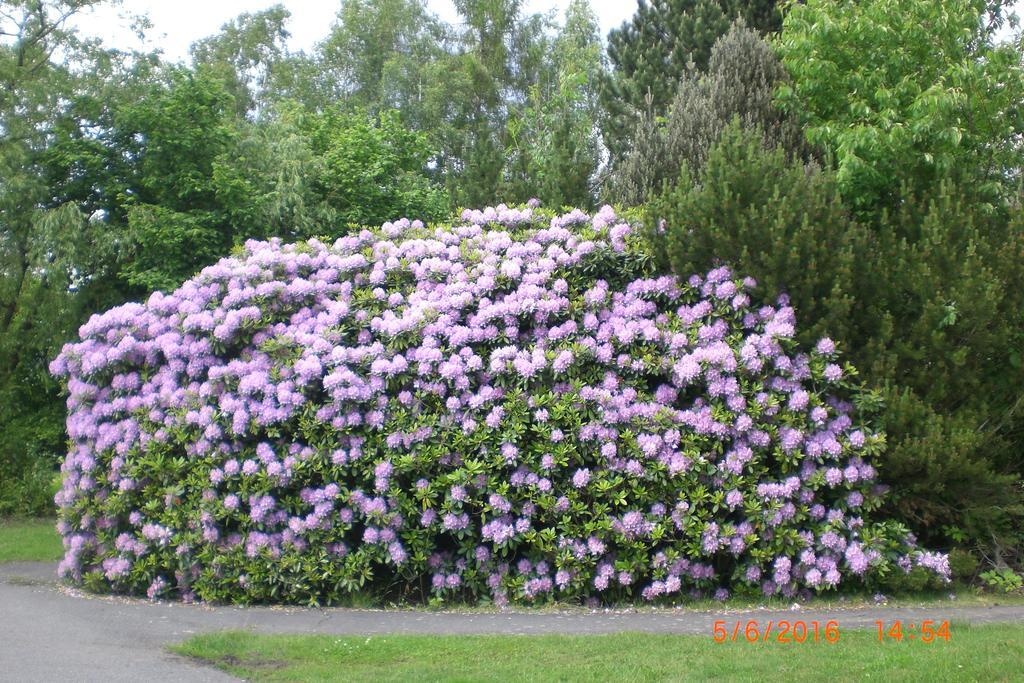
780	219
177	137
372	168
269	184
51	256
553	143
457	86
905	93
180	179
652	52
503	100
499	68
245	56
379	56
925	301
740	83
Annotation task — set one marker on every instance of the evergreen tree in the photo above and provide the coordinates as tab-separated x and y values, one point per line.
740	83
925	301
650	53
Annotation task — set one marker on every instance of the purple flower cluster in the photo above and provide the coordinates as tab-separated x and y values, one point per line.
508	406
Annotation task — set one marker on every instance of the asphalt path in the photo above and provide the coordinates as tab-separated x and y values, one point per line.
50	632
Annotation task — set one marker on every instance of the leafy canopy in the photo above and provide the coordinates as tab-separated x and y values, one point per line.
905	92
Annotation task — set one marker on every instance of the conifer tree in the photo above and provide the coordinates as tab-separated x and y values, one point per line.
651	52
739	83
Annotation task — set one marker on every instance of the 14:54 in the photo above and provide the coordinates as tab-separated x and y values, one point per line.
928	631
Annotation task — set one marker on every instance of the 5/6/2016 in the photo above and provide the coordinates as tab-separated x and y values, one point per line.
783	631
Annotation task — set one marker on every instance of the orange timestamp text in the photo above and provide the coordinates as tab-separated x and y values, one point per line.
927	631
782	631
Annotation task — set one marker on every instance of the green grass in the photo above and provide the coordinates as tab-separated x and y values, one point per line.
958	594
978	653
25	540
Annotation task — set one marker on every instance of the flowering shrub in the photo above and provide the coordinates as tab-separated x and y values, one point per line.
508	407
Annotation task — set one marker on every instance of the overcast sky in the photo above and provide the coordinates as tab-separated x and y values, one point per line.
178	23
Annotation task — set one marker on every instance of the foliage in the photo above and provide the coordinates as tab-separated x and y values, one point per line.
779	220
180	180
502	54
905	93
740	81
268	183
27	472
51	258
963	565
927	305
653	51
175	135
505	406
554	146
246	56
1004	580
381	54
504	96
372	168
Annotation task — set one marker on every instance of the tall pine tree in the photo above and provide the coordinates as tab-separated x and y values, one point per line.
740	82
650	54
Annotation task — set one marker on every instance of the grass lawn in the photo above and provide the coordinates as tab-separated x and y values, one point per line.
978	653
29	540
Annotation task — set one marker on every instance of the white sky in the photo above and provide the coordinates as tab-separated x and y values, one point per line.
178	23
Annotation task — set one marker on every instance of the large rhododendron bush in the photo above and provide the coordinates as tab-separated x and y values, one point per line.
506	408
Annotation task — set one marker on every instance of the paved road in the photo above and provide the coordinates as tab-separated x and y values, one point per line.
49	632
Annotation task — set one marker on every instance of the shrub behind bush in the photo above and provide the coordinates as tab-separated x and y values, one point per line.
927	303
507	406
31	444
